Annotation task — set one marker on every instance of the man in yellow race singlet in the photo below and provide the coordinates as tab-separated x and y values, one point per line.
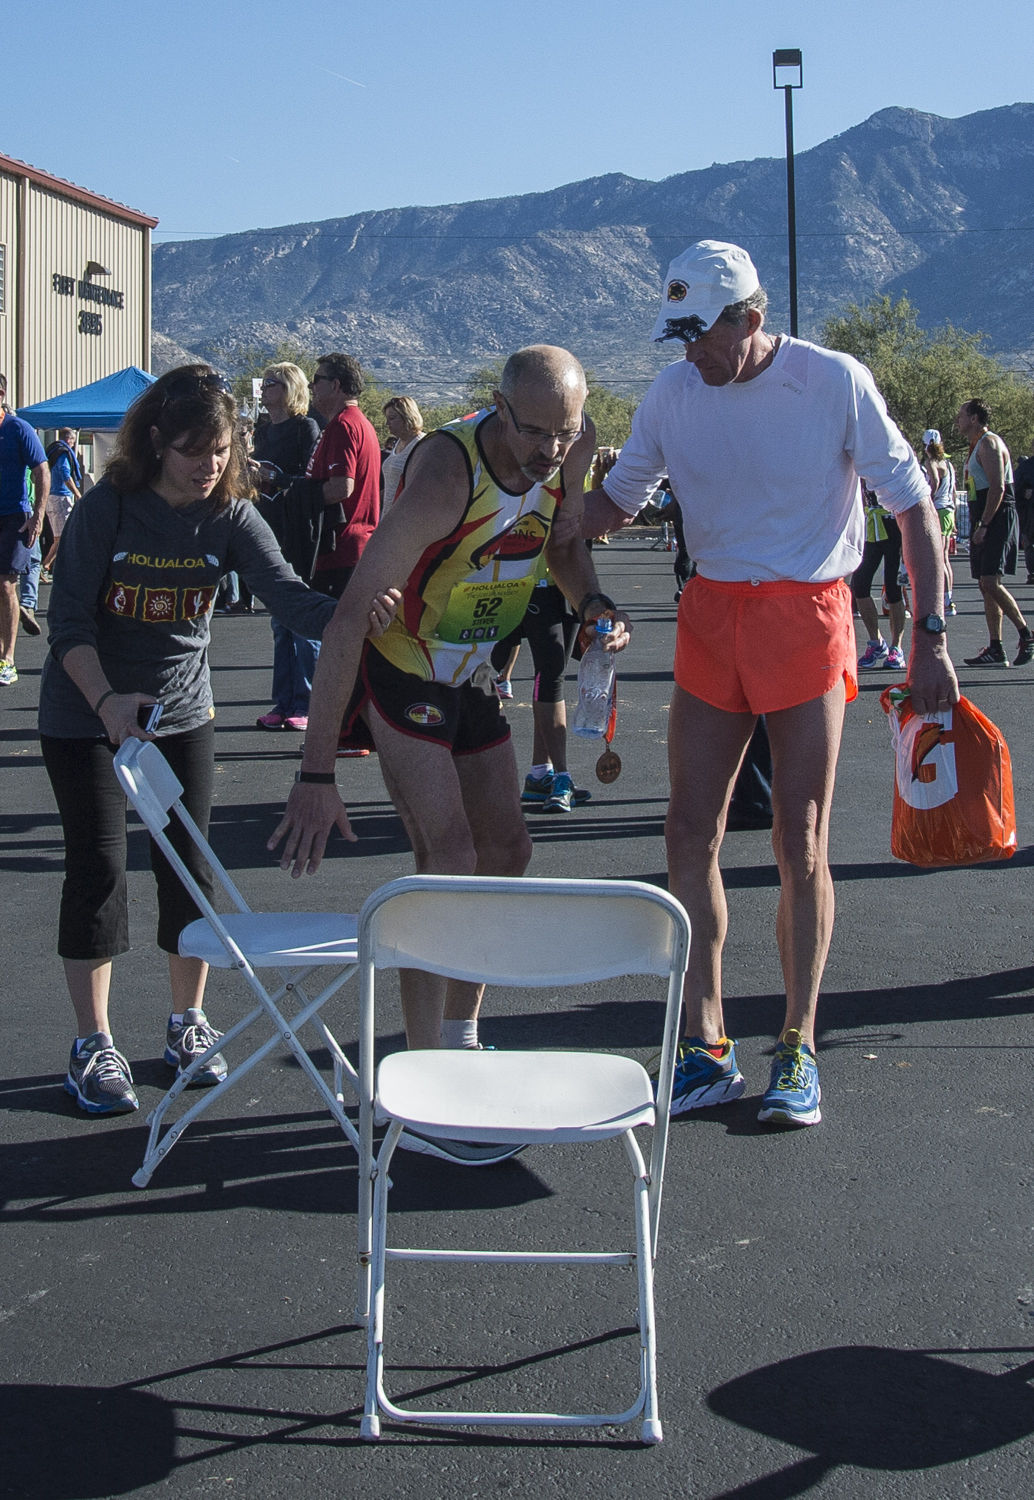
482	501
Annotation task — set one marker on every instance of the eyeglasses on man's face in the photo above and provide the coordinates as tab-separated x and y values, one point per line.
539	434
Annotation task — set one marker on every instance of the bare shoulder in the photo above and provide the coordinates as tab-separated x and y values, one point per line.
436	491
438	461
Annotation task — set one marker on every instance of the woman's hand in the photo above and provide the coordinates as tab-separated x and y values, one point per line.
382	611
120	715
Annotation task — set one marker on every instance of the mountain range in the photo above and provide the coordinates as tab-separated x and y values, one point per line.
905	202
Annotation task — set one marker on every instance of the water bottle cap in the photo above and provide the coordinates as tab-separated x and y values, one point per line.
604	625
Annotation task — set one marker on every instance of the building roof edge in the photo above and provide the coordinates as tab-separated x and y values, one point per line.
13	167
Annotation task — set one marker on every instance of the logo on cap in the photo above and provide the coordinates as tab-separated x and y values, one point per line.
678	291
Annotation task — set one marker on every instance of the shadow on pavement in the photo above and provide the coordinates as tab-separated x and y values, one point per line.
877	1409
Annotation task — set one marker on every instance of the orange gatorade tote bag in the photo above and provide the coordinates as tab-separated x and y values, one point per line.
953	802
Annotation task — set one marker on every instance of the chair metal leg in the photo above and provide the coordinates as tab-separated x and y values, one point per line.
650	1430
370	1427
285	1032
377	1401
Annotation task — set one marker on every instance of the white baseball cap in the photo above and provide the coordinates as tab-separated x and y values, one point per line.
700	284
931	435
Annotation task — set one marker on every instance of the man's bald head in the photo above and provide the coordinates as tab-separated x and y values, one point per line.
540	403
550	370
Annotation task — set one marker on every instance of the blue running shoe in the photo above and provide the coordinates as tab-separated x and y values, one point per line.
561	796
701	1079
537	788
793	1092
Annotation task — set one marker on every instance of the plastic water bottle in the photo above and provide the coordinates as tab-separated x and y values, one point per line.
595	681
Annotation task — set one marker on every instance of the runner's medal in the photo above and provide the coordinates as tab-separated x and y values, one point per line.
608	767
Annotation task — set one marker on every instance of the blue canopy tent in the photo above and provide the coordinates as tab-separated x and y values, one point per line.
97	407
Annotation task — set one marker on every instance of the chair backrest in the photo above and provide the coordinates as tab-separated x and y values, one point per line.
154	790
520	932
149	782
529	934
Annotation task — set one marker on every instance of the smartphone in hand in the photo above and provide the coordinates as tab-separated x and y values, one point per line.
149	716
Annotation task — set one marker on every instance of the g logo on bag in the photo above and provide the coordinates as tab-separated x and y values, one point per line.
927	776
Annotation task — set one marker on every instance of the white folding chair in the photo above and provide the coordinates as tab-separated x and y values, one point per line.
294	943
525	934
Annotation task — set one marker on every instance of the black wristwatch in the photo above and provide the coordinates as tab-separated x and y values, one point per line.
932	624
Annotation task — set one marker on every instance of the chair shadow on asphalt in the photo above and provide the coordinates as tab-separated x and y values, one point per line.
150	1437
294	1163
874	1409
871	1408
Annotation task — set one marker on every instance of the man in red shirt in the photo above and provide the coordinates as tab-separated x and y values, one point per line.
347	461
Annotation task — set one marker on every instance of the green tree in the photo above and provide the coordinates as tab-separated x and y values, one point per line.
611	413
925	376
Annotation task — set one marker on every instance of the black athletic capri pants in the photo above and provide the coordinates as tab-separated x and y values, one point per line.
888	553
94	915
549	626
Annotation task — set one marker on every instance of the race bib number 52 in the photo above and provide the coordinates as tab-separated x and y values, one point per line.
485	611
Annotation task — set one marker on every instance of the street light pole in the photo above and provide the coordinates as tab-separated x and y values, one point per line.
788	74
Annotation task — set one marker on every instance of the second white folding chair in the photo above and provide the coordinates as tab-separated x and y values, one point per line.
296	944
523	934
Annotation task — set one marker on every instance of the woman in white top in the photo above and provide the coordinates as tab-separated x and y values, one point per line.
942	492
406	426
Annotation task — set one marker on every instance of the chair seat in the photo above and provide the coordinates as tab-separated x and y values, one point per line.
276	940
514	1096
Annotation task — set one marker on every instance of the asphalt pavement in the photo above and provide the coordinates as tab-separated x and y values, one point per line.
845	1311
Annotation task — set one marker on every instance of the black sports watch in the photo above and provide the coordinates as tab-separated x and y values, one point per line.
932	624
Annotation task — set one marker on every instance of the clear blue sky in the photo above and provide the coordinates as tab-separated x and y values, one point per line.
216	115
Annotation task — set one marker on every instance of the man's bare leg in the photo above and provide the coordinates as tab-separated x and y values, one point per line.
8	616
999	603
463	817
705	750
805	744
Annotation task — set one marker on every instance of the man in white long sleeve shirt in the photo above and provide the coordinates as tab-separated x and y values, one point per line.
764	439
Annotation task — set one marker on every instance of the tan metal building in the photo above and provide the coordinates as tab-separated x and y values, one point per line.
75	285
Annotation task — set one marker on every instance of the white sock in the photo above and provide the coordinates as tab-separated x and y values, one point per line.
175	1020
455	1034
539	771
81	1039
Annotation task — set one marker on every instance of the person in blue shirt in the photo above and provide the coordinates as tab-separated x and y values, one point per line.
20	522
66	486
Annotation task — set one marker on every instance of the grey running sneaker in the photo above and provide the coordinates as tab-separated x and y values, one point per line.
1025	649
30	624
99	1078
460	1153
188	1039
